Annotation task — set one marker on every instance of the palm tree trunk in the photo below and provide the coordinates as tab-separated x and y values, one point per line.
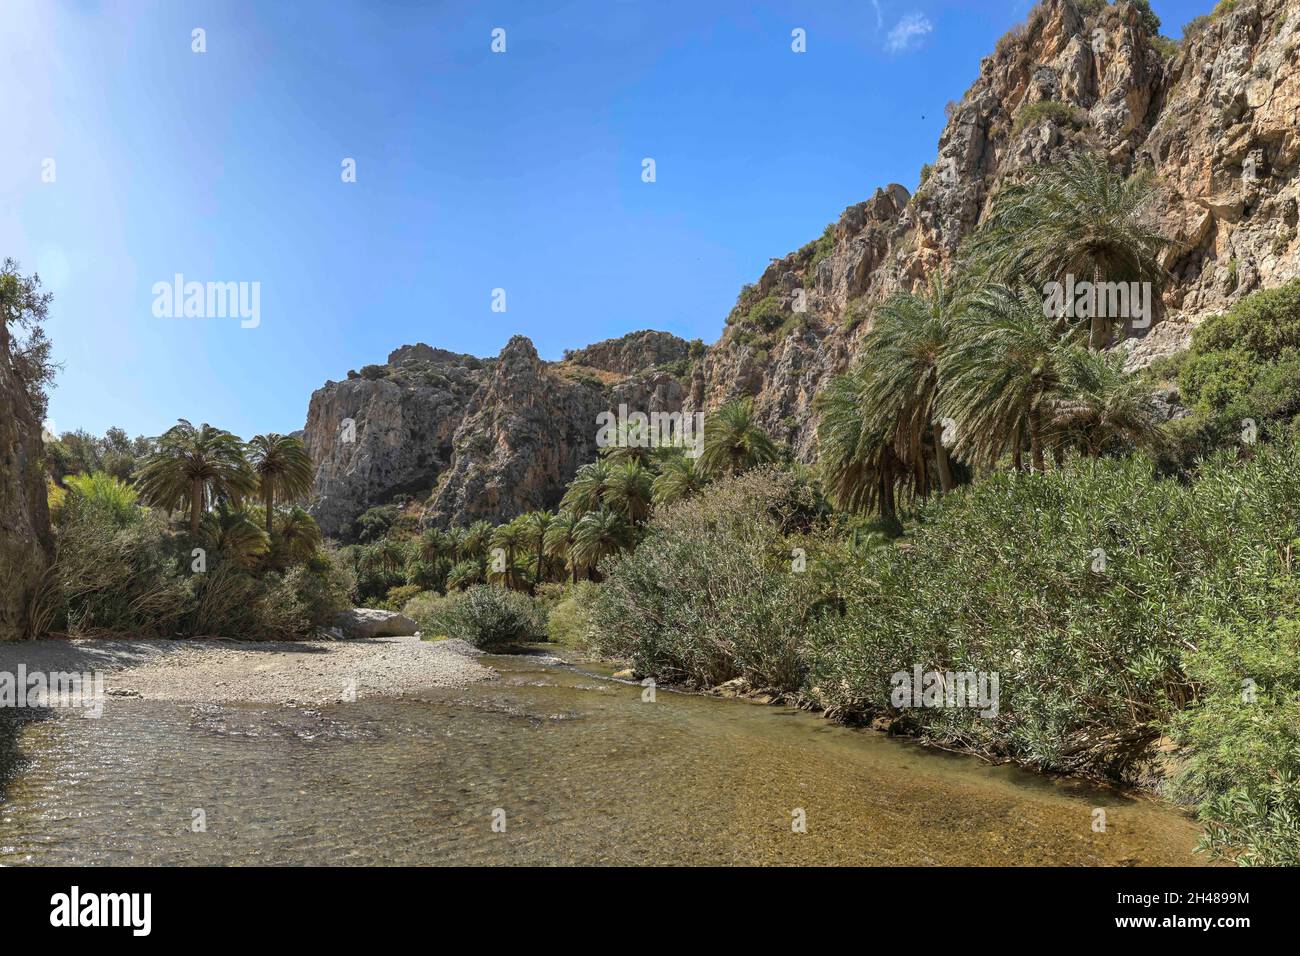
539	561
1017	450
942	462
888	504
1098	327
268	499
196	506
1035	436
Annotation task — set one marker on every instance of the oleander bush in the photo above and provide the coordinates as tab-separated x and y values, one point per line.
569	621
1117	608
490	618
711	593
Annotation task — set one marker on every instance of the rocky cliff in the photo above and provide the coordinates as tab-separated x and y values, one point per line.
479	438
25	542
1216	117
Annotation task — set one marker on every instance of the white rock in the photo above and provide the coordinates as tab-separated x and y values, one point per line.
363	622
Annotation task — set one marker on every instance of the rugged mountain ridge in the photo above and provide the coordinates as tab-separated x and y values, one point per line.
1217	118
479	438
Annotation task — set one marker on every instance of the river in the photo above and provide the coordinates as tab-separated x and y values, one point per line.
552	764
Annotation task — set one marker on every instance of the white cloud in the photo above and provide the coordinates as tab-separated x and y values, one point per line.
880	17
907	33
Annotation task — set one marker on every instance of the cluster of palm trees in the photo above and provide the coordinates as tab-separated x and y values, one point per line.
231	491
604	510
974	373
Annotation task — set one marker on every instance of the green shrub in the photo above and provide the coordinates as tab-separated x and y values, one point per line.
1242	364
1262	324
767	315
1241	742
397	597
422	609
569	621
997	578
490	618
374	523
711	592
1063	114
99	492
1165	46
1212	380
1150	22
822	247
1198	593
107	577
323	587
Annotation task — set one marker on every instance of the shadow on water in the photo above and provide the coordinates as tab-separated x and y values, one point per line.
12	759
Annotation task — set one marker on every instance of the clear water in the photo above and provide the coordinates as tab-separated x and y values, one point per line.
580	769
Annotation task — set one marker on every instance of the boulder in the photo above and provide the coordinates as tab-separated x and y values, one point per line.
363	622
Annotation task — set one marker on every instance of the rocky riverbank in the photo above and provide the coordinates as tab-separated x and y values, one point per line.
271	672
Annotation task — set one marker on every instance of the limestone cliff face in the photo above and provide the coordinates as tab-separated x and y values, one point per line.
524	434
25	541
479	438
1217	119
386	431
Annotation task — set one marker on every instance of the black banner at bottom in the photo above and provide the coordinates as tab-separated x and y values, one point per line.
339	905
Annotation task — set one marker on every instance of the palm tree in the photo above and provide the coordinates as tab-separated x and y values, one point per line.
456	544
598	534
734	441
384	556
635	441
1077	218
435	546
1098	407
855	449
679	477
299	536
900	383
283	469
475	542
193	467
509	537
536	524
998	374
234	536
629	491
464	573
559	539
586	491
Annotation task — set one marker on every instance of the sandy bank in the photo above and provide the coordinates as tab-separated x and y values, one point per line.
273	672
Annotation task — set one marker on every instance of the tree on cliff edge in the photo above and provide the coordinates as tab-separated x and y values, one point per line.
26	371
24	306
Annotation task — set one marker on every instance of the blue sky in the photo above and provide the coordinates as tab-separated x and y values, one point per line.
475	171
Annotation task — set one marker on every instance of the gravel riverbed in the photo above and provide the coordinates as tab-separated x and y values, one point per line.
264	672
